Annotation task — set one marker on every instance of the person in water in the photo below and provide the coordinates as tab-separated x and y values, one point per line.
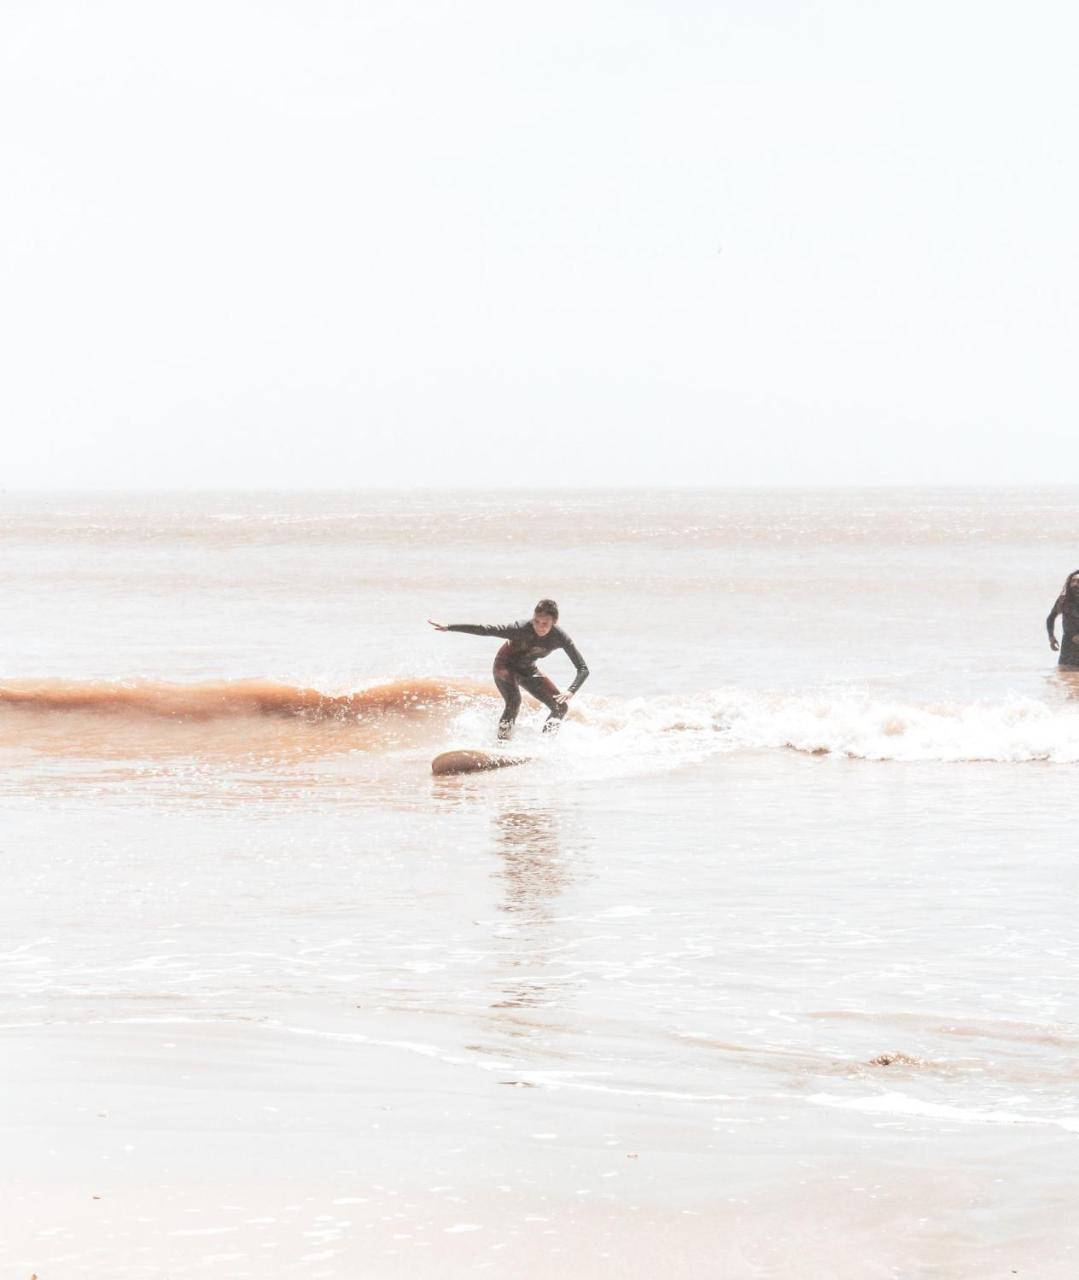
1067	606
515	663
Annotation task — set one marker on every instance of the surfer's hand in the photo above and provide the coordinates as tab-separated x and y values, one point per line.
563	698
1054	643
438	626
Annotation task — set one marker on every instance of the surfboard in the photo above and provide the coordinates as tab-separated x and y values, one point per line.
472	760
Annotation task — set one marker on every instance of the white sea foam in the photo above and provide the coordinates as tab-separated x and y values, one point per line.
613	738
860	725
900	1104
872	728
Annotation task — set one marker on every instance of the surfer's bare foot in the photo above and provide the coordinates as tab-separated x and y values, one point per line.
505	730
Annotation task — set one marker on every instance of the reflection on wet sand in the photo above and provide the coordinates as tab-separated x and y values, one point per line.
539	853
536	869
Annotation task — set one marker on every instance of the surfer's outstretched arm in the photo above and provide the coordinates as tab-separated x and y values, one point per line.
507	632
1050	622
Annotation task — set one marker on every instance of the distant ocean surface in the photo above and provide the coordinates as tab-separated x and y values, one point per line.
790	900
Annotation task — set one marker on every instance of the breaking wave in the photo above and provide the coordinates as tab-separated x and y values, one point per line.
259	719
247	717
232	698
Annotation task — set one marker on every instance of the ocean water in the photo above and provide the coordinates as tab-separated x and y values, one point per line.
765	965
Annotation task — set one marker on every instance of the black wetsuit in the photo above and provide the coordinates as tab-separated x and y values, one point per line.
515	665
1067	608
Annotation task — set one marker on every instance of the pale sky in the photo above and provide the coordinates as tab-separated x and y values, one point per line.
328	243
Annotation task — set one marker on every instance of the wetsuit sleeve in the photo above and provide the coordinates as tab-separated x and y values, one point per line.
574	656
506	632
1053	614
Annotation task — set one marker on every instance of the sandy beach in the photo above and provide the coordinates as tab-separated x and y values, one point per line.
165	1150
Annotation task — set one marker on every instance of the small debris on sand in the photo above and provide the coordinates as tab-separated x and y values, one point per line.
893	1060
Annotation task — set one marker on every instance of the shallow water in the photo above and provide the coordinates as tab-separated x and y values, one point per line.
788	902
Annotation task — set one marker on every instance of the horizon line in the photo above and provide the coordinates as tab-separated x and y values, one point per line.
19	490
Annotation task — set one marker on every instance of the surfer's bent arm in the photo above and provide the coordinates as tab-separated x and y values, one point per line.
1051	620
579	662
507	632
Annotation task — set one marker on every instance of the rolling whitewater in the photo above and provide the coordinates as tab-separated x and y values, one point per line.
403	720
777	929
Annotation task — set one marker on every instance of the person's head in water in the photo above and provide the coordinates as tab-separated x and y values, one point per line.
544	616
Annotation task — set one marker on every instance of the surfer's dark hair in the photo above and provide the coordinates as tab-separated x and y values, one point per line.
1065	591
547	607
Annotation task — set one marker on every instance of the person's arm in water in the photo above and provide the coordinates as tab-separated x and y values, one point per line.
574	656
1051	621
506	632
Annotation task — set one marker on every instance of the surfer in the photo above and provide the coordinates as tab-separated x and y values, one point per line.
515	663
1067	606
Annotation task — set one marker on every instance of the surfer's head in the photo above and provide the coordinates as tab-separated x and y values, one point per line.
544	616
1071	587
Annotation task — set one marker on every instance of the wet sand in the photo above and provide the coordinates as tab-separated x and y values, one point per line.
175	1150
